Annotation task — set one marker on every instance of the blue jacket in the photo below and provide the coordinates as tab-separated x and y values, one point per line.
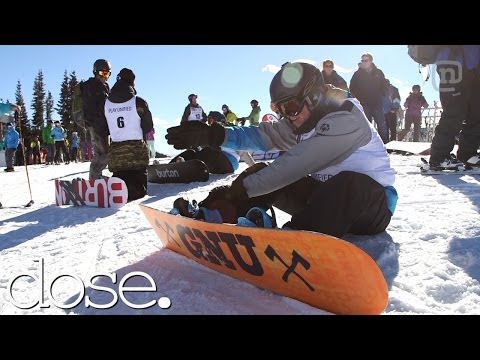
391	100
11	139
75	141
469	55
58	134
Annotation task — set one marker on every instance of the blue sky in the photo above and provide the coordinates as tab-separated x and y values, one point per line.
219	74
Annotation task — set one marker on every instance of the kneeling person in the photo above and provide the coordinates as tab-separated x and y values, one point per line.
129	120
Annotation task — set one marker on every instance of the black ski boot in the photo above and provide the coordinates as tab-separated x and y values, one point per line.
185	208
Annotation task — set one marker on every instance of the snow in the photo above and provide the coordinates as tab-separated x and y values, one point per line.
430	253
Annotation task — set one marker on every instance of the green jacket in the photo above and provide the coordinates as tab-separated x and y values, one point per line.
231	117
254	116
46	135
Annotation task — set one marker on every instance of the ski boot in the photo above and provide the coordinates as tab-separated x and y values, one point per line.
183	207
258	217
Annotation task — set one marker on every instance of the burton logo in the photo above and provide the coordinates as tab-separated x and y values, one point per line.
167	173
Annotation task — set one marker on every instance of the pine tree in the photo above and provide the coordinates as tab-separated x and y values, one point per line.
64	104
24	123
49	107
38	102
71	86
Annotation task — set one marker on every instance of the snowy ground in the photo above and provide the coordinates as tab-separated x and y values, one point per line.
430	253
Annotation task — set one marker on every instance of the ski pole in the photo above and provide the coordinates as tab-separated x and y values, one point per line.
17	117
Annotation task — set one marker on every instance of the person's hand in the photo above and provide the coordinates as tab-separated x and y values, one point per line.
237	192
241	120
195	133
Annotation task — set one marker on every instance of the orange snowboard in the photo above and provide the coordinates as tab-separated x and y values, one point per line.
320	270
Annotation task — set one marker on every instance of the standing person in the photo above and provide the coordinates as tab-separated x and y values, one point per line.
413	113
6	111
35	149
95	91
49	142
229	115
59	135
333	156
128	121
193	111
11	141
74	147
254	117
458	69
151	143
330	76
368	86
391	104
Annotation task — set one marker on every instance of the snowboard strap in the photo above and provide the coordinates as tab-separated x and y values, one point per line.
70	194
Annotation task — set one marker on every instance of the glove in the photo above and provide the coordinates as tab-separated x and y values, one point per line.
232	201
237	193
241	121
192	134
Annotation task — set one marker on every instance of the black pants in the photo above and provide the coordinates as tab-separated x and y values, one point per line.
349	202
136	181
376	112
36	156
391	121
74	153
460	103
416	120
60	147
215	160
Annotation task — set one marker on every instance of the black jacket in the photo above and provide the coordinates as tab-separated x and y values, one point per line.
94	94
369	87
335	79
122	92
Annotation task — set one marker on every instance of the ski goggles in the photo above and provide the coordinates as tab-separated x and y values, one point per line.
105	74
291	107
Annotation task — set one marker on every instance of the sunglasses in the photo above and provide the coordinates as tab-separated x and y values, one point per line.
290	107
365	60
328	65
105	74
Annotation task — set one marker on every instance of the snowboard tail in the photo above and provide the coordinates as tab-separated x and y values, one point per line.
408	148
109	192
320	270
181	172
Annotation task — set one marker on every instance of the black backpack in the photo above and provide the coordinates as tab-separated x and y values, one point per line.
424	54
77	105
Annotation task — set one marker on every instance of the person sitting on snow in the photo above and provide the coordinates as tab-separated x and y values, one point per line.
335	177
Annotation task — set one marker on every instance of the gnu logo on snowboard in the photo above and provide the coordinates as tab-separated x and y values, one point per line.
296	259
239	253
